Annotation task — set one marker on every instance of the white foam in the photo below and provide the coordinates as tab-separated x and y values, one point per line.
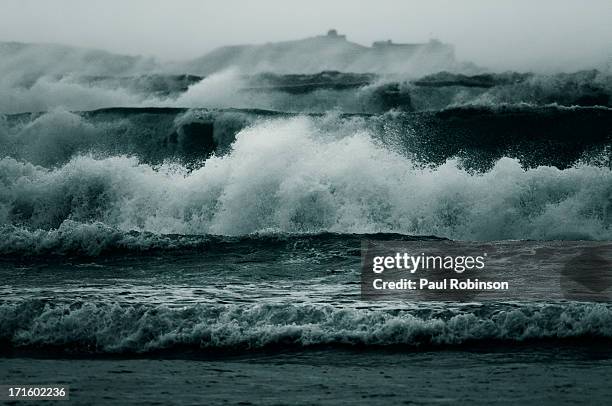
288	175
115	328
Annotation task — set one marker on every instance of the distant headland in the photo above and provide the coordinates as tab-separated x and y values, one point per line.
331	51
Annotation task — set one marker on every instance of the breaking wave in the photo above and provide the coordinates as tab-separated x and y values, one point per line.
289	176
536	136
37	78
116	328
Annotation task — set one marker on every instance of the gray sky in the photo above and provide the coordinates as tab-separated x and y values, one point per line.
511	34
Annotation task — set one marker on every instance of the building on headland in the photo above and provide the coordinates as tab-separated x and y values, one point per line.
333	34
390	44
431	49
397	50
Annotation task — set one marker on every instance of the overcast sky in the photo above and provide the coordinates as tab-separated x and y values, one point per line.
511	34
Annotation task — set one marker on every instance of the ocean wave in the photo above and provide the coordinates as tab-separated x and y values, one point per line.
116	328
446	90
76	79
74	239
374	94
291	176
37	77
91	239
152	134
478	137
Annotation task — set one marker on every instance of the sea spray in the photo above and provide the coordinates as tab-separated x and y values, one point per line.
288	176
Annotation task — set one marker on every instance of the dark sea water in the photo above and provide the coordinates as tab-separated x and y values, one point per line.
251	321
551	375
192	252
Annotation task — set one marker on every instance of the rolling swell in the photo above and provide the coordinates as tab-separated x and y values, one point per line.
152	134
113	328
72	239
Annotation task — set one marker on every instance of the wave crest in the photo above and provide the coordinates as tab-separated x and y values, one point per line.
115	328
291	177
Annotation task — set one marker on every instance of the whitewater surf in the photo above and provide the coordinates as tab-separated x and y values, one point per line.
173	228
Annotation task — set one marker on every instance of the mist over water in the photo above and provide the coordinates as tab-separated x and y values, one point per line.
546	39
546	36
